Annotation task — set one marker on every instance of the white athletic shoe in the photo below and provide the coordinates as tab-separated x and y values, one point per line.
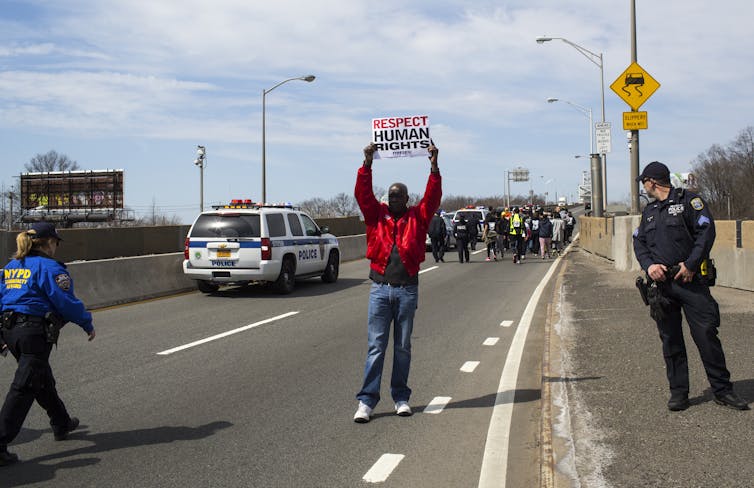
402	409
362	413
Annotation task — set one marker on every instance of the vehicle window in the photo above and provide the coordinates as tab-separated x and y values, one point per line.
227	225
309	225
470	214
295	225
275	224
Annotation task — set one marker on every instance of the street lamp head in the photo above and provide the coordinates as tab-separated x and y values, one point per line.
542	40
200	151
550	100
308	78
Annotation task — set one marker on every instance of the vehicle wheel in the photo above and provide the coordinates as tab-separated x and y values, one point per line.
287	279
207	287
333	267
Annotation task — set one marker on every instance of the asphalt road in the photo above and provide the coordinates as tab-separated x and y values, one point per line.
272	405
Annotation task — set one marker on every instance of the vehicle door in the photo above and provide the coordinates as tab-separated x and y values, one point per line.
314	252
278	235
299	243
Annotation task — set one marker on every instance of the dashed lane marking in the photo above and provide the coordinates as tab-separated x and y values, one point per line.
491	341
428	269
437	405
383	468
506	323
225	334
478	251
469	366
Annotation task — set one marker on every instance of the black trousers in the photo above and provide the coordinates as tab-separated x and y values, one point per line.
517	242
703	316
438	248
462	244
33	381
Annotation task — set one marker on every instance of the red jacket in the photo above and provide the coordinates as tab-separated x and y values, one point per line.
412	226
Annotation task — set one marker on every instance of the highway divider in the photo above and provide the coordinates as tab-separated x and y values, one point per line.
106	282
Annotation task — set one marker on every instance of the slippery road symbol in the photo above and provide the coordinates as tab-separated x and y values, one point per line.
636	80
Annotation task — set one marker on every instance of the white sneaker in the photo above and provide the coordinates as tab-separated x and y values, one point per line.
362	413
402	409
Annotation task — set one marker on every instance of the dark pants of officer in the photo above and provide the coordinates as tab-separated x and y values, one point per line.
473	241
703	317
462	244
438	248
33	381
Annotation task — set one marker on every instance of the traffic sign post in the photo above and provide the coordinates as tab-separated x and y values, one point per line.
634	86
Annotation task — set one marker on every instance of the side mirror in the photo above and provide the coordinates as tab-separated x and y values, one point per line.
324	229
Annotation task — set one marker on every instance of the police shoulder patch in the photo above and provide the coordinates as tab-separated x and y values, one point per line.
63	281
697	203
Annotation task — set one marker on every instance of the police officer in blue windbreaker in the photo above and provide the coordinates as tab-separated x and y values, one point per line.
672	244
36	300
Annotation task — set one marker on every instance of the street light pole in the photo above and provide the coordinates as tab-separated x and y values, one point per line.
598	61
201	154
307	79
597	195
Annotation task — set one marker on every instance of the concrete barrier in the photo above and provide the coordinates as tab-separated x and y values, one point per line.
106	282
352	247
733	251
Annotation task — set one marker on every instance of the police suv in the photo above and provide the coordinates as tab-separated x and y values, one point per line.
247	242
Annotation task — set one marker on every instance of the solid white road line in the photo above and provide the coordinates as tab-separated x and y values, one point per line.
495	461
428	269
225	334
491	341
437	405
469	366
479	250
383	468
506	323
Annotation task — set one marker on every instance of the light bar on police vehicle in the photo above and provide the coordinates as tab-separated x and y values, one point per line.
238	203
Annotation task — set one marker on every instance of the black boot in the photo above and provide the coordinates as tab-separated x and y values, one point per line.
61	433
7	458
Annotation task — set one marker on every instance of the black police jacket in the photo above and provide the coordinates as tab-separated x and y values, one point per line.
678	229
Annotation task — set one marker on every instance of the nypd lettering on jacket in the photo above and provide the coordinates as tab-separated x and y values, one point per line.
678	229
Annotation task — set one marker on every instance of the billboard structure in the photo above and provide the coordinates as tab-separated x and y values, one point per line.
73	196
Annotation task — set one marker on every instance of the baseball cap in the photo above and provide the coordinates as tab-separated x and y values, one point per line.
655	170
45	229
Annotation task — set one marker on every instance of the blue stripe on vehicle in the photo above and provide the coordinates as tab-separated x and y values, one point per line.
245	244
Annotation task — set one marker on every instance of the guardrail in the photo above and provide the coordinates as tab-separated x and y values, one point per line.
733	252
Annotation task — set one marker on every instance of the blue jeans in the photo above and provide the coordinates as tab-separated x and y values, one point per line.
396	305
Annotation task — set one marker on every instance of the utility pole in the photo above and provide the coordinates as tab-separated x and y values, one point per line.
634	142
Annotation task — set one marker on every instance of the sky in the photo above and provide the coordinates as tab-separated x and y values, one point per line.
138	84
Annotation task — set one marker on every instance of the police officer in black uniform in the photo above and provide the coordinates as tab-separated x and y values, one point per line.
677	230
36	300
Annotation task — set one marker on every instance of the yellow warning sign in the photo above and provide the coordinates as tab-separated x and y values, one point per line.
635	86
634	120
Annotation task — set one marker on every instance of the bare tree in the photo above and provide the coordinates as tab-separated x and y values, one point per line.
344	205
51	161
725	177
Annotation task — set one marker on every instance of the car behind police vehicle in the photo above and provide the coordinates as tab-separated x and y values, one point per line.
247	242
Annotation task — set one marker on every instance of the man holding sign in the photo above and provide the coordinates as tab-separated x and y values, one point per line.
395	246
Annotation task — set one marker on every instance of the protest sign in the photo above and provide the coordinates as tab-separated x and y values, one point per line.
401	137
